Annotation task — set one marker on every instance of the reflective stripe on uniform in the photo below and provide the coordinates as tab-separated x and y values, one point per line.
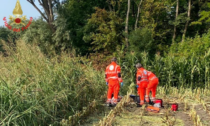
113	71
120	79
144	76
138	82
143	80
153	78
113	77
116	69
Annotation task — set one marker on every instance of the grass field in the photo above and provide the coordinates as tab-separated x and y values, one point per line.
66	90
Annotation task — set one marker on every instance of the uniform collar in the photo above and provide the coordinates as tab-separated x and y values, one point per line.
114	63
140	68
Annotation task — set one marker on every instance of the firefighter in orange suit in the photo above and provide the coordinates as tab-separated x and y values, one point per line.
152	86
113	77
142	81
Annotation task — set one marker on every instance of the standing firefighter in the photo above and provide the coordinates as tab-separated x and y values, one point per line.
113	77
142	81
152	86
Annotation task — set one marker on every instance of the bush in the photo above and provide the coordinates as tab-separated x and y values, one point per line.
197	47
141	40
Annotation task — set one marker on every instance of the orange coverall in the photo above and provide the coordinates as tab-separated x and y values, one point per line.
113	77
152	86
142	82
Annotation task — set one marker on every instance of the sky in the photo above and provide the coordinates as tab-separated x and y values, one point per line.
7	7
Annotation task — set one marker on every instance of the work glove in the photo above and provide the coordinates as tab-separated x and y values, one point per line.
106	83
121	83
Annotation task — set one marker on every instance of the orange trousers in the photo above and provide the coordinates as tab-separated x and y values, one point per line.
114	87
152	86
142	90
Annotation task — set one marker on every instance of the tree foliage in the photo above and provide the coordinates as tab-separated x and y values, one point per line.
141	40
104	31
89	26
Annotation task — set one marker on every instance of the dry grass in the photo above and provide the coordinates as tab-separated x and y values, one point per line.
196	119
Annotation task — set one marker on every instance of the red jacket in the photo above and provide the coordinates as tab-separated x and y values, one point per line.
151	75
141	76
113	72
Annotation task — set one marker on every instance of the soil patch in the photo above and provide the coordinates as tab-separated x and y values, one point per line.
181	114
204	116
132	116
95	117
185	118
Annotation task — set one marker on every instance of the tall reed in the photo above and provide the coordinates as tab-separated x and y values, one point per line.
38	90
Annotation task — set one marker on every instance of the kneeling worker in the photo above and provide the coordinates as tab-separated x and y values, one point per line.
142	81
113	77
152	86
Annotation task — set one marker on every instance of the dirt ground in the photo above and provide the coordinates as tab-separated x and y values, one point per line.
132	116
137	116
95	117
204	116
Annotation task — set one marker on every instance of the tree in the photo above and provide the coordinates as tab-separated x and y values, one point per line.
155	15
141	40
126	26
177	12
48	6
104	31
71	21
204	15
40	34
137	17
188	15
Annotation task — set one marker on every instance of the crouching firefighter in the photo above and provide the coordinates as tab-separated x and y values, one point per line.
141	81
113	78
152	86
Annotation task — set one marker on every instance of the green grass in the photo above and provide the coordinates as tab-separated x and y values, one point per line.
37	90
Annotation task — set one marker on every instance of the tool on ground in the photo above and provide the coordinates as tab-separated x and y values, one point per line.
157	105
153	109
